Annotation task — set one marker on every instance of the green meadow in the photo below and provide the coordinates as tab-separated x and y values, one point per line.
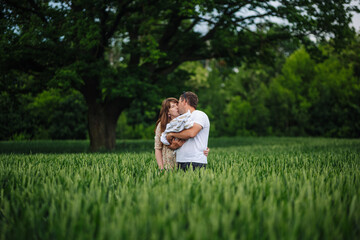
253	188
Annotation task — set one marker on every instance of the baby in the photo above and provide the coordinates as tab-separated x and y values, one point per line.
177	125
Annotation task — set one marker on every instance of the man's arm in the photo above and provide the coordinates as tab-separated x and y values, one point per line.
186	134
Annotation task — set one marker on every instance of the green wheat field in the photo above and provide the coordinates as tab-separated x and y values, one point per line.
253	188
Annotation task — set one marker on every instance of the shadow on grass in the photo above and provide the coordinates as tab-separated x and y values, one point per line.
83	146
70	146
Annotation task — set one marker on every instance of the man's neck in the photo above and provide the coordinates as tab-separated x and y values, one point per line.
189	108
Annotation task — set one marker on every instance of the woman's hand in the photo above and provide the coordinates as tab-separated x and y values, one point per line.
159	158
206	152
176	143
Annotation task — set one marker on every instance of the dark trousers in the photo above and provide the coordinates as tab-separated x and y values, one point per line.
187	165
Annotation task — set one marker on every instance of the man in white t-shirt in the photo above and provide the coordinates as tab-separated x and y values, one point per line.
192	152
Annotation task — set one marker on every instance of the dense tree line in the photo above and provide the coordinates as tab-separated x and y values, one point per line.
119	58
306	97
299	94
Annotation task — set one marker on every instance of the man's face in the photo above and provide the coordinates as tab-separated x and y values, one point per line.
181	106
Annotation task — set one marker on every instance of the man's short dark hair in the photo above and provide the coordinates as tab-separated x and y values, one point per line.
191	98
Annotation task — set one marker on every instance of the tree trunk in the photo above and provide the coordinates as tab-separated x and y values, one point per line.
102	119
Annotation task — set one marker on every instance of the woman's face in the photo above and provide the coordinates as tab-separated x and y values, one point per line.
173	110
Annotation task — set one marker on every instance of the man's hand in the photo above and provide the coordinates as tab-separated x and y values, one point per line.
176	143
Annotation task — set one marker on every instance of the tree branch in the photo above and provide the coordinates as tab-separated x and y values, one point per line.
40	15
135	55
25	9
185	31
103	19
255	16
212	32
116	22
171	29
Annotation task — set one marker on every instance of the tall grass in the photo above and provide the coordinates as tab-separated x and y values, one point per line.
253	188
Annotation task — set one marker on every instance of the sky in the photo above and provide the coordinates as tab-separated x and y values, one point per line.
356	16
356	22
203	28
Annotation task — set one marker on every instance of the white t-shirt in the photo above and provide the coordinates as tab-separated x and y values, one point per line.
193	148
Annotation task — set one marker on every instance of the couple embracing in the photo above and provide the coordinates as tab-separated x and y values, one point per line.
182	133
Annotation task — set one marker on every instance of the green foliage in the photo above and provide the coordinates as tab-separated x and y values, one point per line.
336	89
316	99
199	74
305	98
15	122
124	130
288	94
213	100
280	102
239	112
51	114
253	188
121	54
58	115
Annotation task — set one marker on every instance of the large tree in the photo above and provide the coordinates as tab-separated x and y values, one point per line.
114	52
